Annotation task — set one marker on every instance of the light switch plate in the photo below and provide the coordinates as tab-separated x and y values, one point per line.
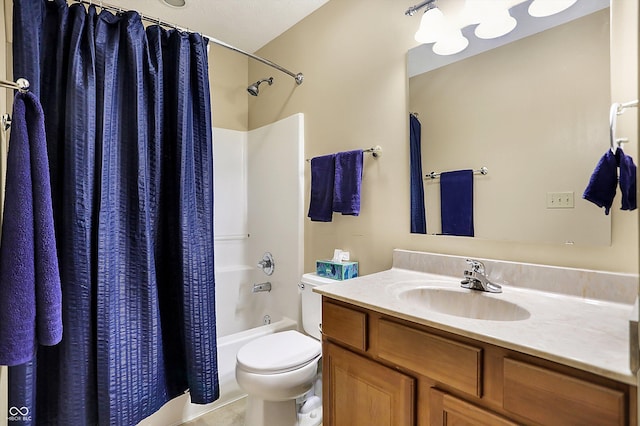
560	200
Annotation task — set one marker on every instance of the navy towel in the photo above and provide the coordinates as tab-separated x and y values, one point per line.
30	294
322	179
456	203
627	180
348	181
602	185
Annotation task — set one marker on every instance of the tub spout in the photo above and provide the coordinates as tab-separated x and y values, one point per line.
266	286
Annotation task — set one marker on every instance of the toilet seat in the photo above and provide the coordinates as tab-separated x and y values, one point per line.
278	353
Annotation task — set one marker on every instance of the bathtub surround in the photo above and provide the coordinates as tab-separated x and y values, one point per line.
249	168
130	147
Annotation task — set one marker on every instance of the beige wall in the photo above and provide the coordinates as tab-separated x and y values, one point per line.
228	73
353	55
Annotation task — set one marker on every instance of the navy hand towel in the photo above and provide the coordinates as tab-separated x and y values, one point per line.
30	294
322	182
627	180
456	203
602	185
348	180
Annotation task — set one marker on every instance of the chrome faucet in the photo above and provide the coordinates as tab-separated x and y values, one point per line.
475	278
257	288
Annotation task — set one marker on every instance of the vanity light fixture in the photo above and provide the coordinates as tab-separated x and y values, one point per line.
493	17
541	8
443	26
430	25
451	43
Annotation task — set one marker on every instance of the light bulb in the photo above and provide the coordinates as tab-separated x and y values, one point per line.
451	43
496	25
541	8
431	25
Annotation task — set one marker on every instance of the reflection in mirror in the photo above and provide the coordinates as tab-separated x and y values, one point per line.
534	112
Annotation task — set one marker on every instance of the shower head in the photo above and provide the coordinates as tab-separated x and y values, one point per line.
253	89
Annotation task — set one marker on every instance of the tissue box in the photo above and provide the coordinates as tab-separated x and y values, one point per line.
336	270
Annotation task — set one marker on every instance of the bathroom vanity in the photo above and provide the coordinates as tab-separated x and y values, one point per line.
409	346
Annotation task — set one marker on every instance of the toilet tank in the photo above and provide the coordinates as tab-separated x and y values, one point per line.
312	304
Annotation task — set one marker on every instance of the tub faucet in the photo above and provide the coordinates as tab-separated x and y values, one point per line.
257	288
475	278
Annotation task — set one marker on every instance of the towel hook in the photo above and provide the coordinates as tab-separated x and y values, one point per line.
616	110
613	112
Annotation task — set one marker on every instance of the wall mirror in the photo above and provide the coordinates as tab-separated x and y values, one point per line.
535	113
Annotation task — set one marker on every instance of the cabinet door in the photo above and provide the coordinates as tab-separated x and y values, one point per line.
358	391
447	410
551	398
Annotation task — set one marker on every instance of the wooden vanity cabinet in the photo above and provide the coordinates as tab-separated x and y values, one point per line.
448	410
382	370
362	392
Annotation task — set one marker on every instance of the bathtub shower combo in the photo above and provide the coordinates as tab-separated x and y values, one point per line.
248	224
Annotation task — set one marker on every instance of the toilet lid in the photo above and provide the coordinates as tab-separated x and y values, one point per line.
278	352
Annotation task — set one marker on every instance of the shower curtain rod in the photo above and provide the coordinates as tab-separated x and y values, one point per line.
299	77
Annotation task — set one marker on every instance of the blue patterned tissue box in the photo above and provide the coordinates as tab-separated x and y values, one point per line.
336	270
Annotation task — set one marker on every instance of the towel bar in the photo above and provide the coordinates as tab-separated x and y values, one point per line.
375	151
434	175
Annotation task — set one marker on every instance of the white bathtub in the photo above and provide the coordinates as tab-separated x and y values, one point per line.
180	410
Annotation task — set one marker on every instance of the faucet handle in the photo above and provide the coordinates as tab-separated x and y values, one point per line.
476	265
266	263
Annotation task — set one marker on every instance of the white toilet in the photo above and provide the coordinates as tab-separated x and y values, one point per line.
276	369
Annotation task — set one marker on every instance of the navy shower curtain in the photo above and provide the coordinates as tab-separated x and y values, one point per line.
418	216
128	124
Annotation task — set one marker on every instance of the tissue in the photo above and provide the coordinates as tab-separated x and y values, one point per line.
340	256
338	268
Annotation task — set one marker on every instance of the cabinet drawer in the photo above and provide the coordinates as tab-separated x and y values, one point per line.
443	360
552	398
345	325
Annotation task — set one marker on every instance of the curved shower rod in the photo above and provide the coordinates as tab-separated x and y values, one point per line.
298	77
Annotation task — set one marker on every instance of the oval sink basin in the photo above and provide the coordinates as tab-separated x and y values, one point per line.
464	303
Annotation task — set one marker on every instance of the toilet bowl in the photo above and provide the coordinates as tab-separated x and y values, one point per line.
276	369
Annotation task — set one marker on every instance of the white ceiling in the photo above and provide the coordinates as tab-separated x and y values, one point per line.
245	24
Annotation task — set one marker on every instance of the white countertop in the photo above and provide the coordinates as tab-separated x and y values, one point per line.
591	335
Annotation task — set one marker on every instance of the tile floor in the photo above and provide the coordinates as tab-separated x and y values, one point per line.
229	415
